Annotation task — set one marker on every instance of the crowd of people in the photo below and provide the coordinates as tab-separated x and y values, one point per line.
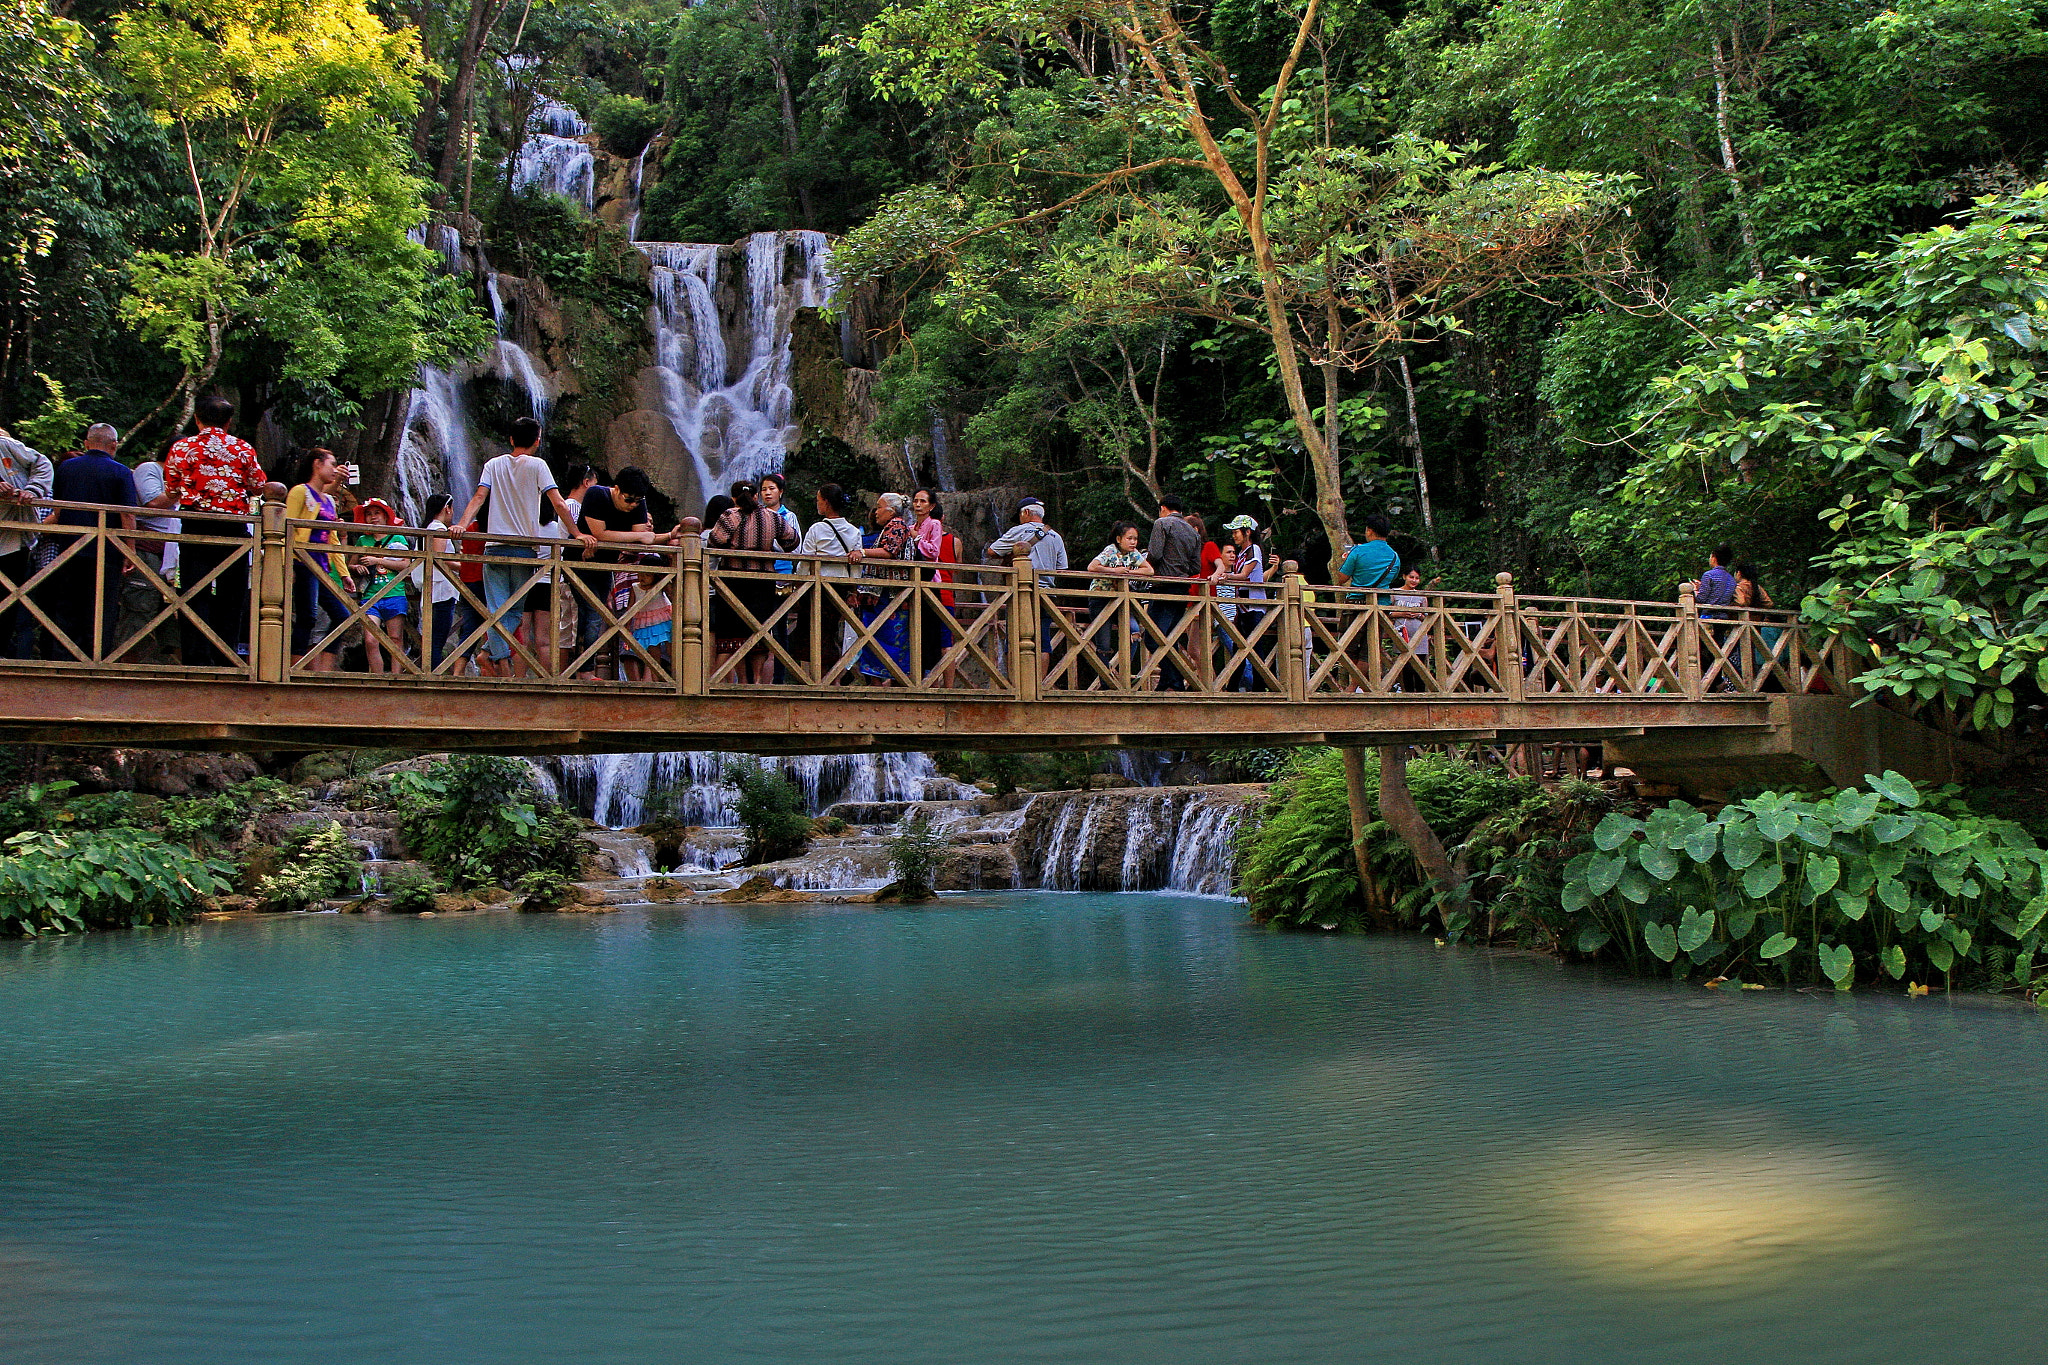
532	572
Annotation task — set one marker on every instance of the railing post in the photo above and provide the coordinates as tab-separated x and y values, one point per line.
273	582
1293	633
1024	608
692	679
1507	638
1689	643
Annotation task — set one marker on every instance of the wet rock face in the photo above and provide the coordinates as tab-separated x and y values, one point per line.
152	772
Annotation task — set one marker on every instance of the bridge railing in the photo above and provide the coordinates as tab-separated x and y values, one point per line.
71	590
685	617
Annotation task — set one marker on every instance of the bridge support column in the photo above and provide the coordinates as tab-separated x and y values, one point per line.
1024	608
691	674
273	582
1293	634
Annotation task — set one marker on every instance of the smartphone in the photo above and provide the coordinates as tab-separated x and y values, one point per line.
355	474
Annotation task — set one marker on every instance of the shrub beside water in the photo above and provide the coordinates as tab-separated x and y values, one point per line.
1868	884
916	853
314	862
100	879
478	820
771	811
1295	864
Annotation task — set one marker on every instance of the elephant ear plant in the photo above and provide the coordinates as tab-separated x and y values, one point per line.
1878	883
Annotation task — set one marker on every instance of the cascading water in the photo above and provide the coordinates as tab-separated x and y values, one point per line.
620	789
554	157
514	365
436	453
732	406
1133	839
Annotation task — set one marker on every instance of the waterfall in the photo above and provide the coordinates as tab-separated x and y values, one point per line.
515	366
1177	839
732	405
435	454
554	157
617	789
639	174
942	457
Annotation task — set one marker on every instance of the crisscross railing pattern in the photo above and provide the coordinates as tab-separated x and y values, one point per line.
683	617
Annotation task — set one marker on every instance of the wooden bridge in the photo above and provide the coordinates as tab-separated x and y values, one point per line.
888	654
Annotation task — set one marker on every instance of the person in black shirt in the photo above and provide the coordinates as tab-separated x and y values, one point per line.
616	515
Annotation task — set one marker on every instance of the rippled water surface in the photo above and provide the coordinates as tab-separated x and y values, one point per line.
1021	1128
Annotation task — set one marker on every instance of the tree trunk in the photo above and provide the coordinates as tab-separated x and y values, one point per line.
483	15
1398	809
1421	470
1359	804
1723	126
791	136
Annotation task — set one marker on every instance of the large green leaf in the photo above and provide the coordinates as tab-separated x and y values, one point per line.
1658	861
1741	845
1896	788
1661	940
1740	921
1703	843
1894	959
1763	878
1838	964
1602	873
1889	829
1898	898
1694	928
1777	825
1635	887
2032	915
1614	831
1822	872
1940	954
1776	946
1574	898
1851	907
1592	938
1853	809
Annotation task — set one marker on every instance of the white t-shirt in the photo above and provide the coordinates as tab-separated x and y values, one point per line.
517	483
1253	558
444	582
834	536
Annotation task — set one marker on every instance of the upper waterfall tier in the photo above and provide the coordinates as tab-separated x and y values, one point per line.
554	156
721	317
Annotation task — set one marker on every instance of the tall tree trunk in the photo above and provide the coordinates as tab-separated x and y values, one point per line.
1398	809
1724	127
1421	469
791	135
483	16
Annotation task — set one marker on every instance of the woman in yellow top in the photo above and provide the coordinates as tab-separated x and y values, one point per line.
312	501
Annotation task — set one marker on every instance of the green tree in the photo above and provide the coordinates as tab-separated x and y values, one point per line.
288	125
1905	398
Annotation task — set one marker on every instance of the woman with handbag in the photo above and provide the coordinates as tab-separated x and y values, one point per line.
892	541
830	537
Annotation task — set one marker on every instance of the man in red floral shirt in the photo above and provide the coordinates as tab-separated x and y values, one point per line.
212	471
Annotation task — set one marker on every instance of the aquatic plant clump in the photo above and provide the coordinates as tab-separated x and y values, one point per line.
1873	884
64	883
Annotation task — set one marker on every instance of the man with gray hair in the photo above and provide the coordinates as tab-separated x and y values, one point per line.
26	476
1048	556
88	584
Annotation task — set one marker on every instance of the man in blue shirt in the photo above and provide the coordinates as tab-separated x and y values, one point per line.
1716	587
1372	562
91	476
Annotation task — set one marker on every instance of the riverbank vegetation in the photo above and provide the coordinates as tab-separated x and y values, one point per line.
1896	883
